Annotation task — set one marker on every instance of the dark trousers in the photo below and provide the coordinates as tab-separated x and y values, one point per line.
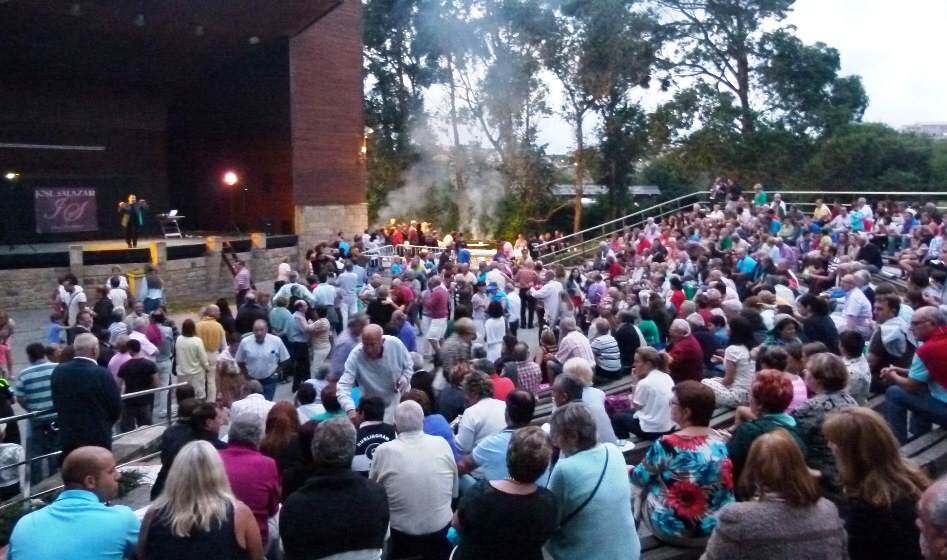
135	415
433	546
241	295
131	232
540	318
299	354
43	439
513	327
626	424
527	308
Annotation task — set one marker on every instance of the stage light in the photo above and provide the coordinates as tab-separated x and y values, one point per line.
231	178
11	176
254	40
75	10
139	20
199	31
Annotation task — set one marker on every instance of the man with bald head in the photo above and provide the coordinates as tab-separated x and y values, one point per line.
86	398
261	356
381	366
78	524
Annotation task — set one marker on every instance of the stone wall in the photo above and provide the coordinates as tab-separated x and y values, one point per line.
189	281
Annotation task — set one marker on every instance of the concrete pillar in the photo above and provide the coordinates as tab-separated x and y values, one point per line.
159	254
257	263
214	263
75	262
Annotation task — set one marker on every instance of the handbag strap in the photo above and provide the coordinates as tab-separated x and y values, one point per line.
579	509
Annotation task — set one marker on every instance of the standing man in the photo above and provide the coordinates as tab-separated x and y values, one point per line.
71	298
34	393
79	524
549	295
133	217
241	281
348	289
261	356
344	343
137	374
85	397
381	366
214	338
525	278
436	306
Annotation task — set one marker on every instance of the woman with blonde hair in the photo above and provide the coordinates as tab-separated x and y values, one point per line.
197	516
783	515
651	400
881	487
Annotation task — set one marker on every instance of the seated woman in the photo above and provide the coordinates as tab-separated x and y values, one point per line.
650	402
197	516
786	330
590	483
732	390
511	518
771	393
826	377
686	477
881	487
783	517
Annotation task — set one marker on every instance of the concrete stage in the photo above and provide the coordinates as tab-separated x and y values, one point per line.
115	244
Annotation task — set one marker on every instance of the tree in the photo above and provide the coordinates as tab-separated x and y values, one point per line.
397	73
759	91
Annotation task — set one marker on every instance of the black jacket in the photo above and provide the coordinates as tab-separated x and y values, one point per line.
628	343
821	328
334	513
88	403
173	439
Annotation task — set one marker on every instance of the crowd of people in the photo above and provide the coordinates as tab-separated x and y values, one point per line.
419	427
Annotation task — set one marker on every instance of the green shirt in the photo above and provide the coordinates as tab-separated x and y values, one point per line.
650	331
726	243
760	199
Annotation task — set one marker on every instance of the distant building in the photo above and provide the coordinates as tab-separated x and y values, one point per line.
937	130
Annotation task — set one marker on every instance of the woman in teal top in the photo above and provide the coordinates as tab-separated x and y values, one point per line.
649	329
590	483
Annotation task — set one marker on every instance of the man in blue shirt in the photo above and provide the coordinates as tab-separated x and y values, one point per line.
79	525
488	459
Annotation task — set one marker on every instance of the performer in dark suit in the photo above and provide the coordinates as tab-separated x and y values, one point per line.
85	397
133	217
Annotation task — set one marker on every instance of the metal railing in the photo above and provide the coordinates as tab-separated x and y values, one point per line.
584	246
26	480
622	219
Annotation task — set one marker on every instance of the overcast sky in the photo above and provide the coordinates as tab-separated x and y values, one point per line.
897	47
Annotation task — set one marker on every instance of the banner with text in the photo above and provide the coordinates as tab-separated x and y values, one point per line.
65	210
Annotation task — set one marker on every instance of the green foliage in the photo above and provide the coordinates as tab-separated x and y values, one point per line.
876	157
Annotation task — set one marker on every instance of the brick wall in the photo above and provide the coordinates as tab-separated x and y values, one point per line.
327	113
195	280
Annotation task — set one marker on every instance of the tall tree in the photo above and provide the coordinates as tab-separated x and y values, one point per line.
397	73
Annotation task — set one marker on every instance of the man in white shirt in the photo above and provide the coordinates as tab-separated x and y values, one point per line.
261	356
549	295
148	350
73	299
252	403
573	343
855	307
381	366
496	276
420	477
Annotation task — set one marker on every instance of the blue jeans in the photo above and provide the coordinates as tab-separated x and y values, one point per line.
926	411
269	386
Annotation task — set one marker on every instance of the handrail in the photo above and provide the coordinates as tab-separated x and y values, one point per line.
625	217
27	480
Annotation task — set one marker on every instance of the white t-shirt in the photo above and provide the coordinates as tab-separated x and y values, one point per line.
479	421
72	301
652	398
494	331
513	306
740	356
119	299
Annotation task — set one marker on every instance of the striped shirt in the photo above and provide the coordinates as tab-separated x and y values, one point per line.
607	354
32	387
